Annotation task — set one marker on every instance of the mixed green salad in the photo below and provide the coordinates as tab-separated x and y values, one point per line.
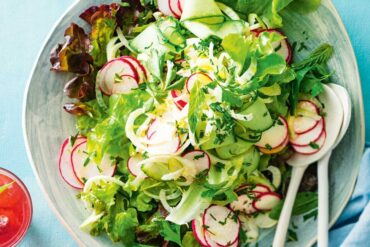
186	111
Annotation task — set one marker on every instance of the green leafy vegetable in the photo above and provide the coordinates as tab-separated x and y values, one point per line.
189	240
305	202
170	232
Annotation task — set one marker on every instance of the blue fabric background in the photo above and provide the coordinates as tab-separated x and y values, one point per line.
24	25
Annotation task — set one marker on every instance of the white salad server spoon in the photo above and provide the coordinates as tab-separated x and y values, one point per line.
299	162
323	165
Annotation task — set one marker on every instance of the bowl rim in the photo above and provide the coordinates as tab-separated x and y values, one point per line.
329	4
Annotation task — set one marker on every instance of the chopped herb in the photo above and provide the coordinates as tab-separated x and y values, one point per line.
292	236
314	145
87	161
268	146
219	166
312	214
199	156
73	139
213	217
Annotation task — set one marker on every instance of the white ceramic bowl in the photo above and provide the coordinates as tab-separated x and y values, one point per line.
46	124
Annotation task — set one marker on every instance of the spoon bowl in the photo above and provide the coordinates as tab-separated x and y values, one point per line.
333	122
323	165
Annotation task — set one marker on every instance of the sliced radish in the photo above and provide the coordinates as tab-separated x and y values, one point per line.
267	201
200	158
274	136
310	136
308	106
277	149
303	124
169	147
258	188
181	100
142	74
134	167
310	149
164	7
161	130
174	8
85	169
199	76
180	4
126	84
243	204
222	225
107	75
65	165
198	231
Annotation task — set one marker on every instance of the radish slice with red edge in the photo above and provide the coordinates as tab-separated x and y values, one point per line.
267	201
258	188
199	76
65	165
244	203
107	76
133	166
180	4
312	148
310	136
302	124
275	150
174	8
142	74
274	136
164	7
126	84
200	158
198	231
222	225
179	99
84	169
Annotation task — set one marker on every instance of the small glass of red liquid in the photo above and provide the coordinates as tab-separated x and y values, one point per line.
15	209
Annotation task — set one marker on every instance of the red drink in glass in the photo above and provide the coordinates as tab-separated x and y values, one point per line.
15	209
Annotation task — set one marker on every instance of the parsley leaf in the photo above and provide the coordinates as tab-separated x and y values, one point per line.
170	231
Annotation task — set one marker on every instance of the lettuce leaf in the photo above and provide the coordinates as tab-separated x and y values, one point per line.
270	10
108	136
72	56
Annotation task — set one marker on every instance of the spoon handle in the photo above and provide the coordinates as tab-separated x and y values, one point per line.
283	223
323	210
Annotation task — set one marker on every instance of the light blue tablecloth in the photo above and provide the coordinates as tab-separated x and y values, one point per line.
24	25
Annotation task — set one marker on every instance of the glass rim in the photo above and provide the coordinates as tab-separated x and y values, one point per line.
25	227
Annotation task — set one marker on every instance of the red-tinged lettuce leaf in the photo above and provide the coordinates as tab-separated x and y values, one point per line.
72	56
102	31
103	25
80	87
97	12
128	15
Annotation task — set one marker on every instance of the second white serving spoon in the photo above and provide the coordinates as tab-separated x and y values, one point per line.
299	162
323	165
